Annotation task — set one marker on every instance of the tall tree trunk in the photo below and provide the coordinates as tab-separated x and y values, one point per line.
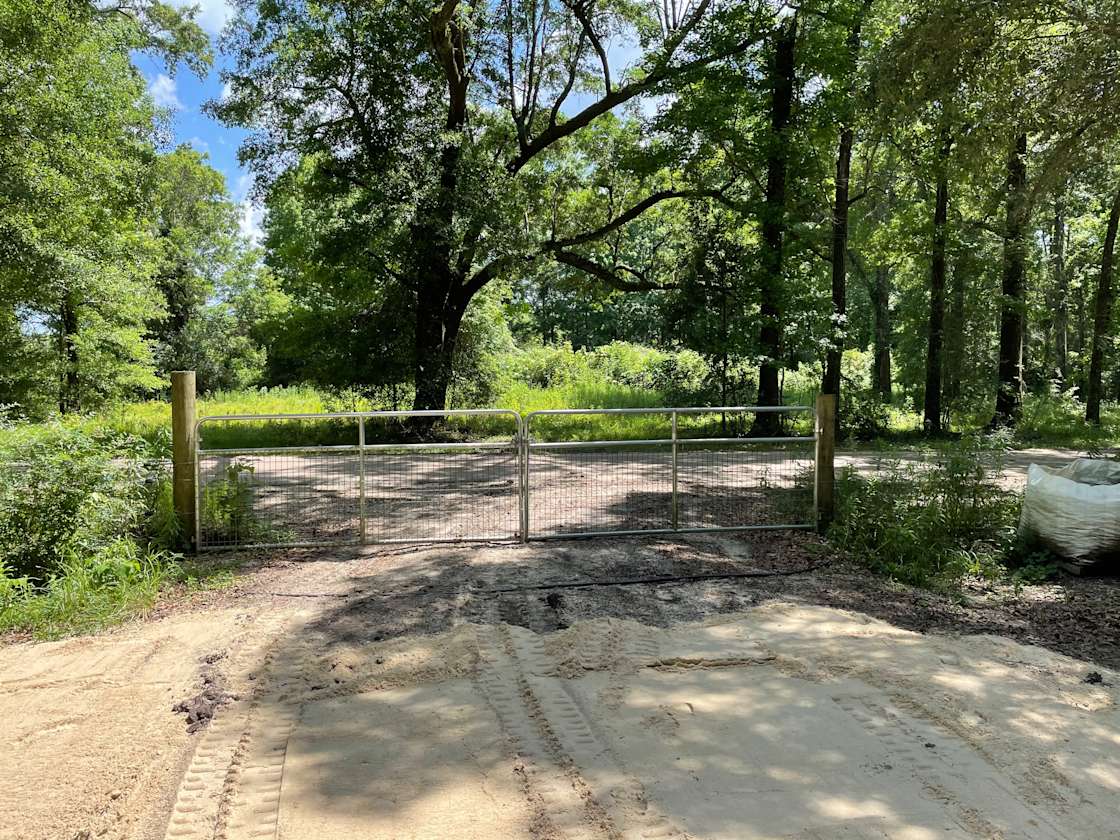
1080	303
831	383
1009	385
438	320
840	208
69	397
1102	316
1061	291
931	419
782	70
954	355
438	276
441	298
881	308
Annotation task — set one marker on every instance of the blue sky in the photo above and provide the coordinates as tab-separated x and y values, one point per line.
183	94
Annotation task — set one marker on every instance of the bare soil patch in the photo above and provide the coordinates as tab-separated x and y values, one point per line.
471	691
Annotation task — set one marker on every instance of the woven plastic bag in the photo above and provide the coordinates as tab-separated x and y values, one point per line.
1075	509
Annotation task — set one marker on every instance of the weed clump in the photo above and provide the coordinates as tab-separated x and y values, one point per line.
930	522
85	531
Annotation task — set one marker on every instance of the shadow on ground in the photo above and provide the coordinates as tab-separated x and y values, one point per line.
477	734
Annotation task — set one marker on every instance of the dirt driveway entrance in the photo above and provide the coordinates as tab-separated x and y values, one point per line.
461	693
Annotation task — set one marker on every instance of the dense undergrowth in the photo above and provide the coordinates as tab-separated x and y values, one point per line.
618	375
87	529
937	519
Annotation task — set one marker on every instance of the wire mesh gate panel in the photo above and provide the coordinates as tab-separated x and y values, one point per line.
384	477
666	471
384	487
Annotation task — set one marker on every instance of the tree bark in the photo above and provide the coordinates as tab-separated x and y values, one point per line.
1102	316
1082	339
931	419
782	76
440	296
437	330
1009	385
840	212
69	398
954	355
1061	291
831	383
881	308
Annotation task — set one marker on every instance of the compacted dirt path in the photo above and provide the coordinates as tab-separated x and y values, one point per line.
703	688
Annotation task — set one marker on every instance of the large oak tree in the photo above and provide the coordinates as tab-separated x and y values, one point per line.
462	131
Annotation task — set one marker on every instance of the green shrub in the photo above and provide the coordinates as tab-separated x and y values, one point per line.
673	374
66	495
929	524
86	593
864	414
163	527
81	519
681	377
13	589
548	366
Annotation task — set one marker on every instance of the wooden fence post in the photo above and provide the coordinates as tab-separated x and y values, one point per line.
825	473
184	449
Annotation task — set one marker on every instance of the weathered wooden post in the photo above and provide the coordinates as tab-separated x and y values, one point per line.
824	498
184	449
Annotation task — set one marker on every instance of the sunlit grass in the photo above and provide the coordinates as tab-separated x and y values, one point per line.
1046	421
88	594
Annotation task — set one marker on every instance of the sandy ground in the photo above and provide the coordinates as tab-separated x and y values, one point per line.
537	692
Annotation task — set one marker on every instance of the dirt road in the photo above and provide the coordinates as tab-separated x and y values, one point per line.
432	693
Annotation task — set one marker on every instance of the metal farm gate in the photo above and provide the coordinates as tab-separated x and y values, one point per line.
497	476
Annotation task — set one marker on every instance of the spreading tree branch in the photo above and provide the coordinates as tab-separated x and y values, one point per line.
607	275
663	70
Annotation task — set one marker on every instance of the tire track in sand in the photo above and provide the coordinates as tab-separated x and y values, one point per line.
617	792
231	788
914	744
567	756
564	805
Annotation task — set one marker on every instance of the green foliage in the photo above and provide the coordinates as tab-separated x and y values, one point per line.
929	524
673	376
65	495
226	508
86	594
207	573
163	527
1059	420
82	520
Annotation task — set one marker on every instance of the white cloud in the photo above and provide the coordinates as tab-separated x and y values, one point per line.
163	92
227	89
252	215
251	221
212	16
241	189
199	144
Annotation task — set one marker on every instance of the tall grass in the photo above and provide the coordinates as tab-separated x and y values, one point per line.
86	594
1060	421
618	375
76	552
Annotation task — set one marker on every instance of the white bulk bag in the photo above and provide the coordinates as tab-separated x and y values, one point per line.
1075	509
